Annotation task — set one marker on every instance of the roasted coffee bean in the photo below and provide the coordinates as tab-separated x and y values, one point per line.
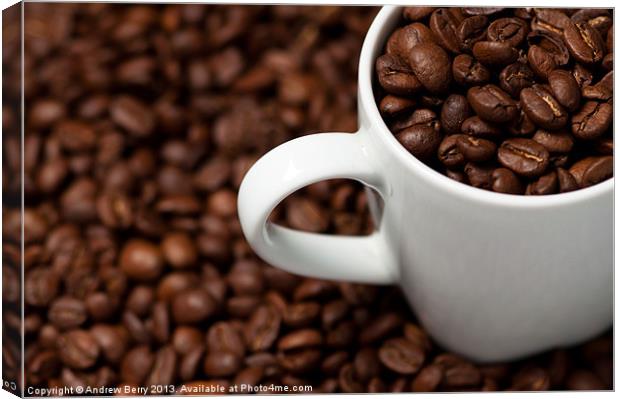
552	43
421	141
193	306
428	379
179	250
449	153
592	120
431	65
478	175
546	184
137	364
505	181
592	170
132	115
395	76
566	181
542	108
401	356
417	13
525	157
510	30
495	53
453	112
541	61
584	42
475	149
530	379
471	31
467	71
599	19
444	25
403	40
164	368
550	20
565	89
492	103
602	90
262	329
67	313
516	77
555	142
78	349
392	105
141	260
476	127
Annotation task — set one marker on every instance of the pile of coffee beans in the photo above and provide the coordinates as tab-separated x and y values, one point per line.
513	100
141	121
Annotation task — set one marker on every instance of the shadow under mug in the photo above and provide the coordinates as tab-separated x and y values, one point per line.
490	276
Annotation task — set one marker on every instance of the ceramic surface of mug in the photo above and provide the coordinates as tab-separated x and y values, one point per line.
491	276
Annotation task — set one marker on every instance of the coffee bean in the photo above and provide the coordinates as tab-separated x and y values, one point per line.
179	250
431	65
461	375
584	42
541	61
417	13
495	53
380	328
453	112
67	313
132	115
393	105
141	260
262	328
421	141
78	349
505	181
516	77
403	40
471	31
111	339
193	306
221	364
475	149
542	108
478	175
555	142
301	314
552	43
444	25
525	157
530	379
395	76
566	181
449	153
164	368
510	30
467	71
550	20
305	214
592	170
546	184
592	120
565	89
347	380
428	379
401	356
366	364
492	103
477	127
137	365
222	336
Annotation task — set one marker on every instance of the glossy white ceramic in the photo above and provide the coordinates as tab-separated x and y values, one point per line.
491	276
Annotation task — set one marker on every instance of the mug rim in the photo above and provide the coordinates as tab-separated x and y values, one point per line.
431	176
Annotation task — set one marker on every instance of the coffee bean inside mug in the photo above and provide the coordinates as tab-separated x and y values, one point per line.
515	100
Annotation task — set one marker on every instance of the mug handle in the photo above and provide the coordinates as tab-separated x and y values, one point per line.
291	166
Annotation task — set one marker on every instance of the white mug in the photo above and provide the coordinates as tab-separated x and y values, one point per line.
491	276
